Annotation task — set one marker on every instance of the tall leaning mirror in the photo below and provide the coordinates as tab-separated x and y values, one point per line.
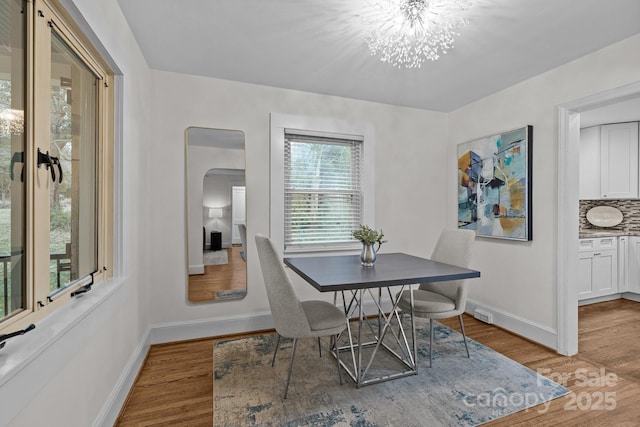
216	214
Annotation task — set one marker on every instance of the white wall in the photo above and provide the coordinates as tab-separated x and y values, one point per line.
410	146
519	279
77	374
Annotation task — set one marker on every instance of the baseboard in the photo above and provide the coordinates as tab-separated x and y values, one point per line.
194	329
196	269
111	409
631	296
181	331
599	299
204	328
518	325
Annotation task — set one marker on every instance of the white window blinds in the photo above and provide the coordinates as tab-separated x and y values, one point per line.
323	195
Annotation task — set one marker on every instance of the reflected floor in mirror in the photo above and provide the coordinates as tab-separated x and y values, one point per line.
221	281
215	257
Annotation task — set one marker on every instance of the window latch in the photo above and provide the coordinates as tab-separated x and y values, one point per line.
18	157
56	161
5	337
49	162
83	289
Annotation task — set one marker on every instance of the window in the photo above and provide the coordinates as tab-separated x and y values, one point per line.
55	221
321	190
321	183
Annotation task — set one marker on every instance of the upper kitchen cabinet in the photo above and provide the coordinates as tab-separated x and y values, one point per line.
619	161
609	161
590	163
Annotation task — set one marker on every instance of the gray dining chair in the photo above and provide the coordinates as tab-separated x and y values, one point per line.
242	230
442	300
294	318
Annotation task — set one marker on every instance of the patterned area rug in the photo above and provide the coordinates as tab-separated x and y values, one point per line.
231	294
215	257
456	391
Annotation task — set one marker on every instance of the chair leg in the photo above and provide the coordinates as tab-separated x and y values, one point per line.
276	351
464	337
319	347
430	340
293	353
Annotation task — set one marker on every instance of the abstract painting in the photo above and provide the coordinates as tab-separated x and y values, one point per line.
494	185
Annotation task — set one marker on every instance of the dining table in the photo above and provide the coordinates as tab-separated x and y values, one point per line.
379	320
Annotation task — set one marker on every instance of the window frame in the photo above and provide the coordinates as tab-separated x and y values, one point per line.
281	123
43	17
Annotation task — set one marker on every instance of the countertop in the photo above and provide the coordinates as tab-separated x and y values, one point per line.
588	233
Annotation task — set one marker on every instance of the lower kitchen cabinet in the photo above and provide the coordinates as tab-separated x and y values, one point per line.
598	267
633	265
623	263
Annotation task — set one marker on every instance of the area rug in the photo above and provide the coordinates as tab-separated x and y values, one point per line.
215	257
231	294
456	391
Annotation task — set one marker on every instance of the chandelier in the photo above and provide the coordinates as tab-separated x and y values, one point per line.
11	122
405	33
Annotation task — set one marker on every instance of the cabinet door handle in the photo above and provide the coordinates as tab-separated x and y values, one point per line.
597	254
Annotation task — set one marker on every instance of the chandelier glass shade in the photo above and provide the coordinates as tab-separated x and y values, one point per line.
405	33
11	122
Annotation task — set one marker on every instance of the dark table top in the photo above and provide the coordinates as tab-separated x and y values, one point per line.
337	273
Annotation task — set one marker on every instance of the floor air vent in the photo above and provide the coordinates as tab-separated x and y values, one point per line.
483	316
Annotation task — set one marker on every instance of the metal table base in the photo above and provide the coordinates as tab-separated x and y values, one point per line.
360	365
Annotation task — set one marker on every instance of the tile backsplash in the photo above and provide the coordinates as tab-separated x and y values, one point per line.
630	212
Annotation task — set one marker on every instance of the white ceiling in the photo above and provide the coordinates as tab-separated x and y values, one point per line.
317	45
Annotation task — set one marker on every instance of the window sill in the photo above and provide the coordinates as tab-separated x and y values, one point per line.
324	251
20	352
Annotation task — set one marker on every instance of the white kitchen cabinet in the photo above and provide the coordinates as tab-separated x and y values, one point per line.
590	163
633	265
623	263
598	267
619	161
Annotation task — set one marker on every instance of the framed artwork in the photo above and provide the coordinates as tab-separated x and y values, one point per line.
494	185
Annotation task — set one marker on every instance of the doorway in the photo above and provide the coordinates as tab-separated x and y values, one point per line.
568	210
238	215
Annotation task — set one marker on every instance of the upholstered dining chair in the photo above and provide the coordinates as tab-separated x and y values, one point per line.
442	300
294	318
242	229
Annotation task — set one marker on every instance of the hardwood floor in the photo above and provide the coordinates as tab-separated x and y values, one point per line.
175	387
223	277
